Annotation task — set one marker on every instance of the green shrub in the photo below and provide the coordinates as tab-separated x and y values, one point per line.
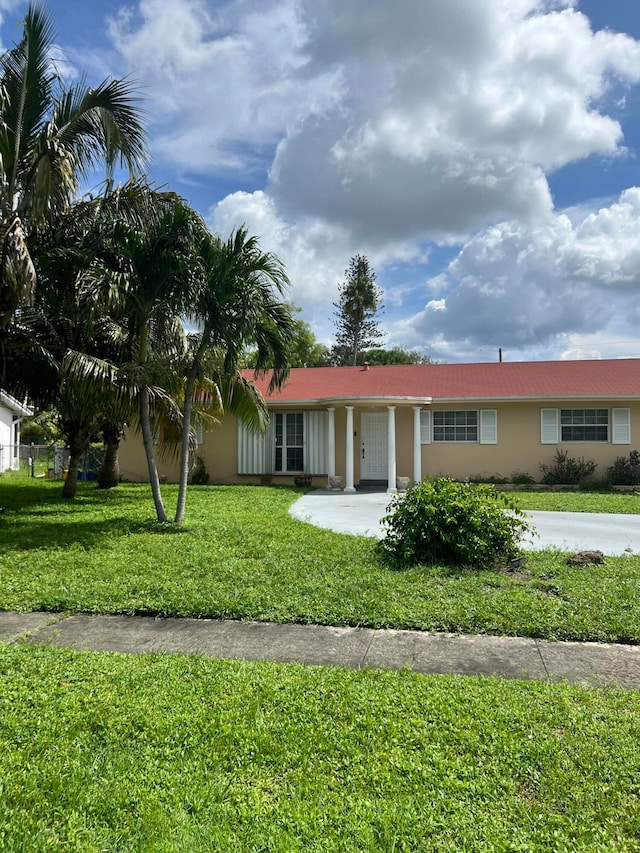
442	521
522	478
567	471
200	475
497	479
625	471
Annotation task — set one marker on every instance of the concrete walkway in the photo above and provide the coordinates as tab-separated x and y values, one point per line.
508	657
360	514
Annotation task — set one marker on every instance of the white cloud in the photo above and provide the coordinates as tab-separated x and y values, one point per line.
379	128
396	121
315	252
223	79
529	288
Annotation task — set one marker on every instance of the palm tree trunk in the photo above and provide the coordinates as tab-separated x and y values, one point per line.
109	474
147	438
76	449
184	444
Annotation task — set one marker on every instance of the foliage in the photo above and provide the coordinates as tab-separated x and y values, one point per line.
51	138
625	471
200	475
263	756
522	478
565	470
237	302
393	355
304	349
496	479
358	304
42	428
442	521
243	557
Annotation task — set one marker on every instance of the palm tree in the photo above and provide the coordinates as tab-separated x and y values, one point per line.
145	274
51	138
236	304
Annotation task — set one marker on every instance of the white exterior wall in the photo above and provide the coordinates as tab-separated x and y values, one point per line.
8	459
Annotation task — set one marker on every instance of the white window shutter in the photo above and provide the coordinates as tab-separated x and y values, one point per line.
425	426
488	426
315	442
199	433
549	426
620	426
255	450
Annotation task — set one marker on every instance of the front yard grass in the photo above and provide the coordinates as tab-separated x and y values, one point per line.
626	503
242	556
170	754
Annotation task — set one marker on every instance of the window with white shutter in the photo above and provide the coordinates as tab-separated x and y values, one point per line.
425	426
488	426
548	426
620	426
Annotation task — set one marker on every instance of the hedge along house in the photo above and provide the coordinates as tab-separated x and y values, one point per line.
11	413
374	424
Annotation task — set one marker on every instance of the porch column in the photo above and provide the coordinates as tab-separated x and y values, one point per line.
349	487
331	445
391	451
417	448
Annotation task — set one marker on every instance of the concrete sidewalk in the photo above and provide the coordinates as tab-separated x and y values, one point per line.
507	657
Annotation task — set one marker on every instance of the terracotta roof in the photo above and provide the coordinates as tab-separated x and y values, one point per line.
606	378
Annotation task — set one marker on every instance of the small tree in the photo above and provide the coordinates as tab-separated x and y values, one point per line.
360	301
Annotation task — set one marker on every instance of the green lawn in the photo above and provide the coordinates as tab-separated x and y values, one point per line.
618	502
104	752
242	556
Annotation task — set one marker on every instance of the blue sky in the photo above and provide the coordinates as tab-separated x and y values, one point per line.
484	154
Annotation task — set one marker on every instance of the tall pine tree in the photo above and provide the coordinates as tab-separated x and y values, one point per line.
360	300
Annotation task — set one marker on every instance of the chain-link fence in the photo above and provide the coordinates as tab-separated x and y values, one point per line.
49	461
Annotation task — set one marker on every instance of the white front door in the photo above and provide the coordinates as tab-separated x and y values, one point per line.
373	446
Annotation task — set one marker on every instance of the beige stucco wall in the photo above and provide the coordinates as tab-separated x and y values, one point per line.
518	448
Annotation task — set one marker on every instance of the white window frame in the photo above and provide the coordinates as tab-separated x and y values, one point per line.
445	426
284	469
594	424
618	426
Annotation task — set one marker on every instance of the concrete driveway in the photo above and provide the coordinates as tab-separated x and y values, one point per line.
360	514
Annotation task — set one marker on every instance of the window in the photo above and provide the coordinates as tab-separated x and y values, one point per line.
584	424
289	428
455	426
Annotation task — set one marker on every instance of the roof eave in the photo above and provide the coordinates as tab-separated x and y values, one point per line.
356	401
14	405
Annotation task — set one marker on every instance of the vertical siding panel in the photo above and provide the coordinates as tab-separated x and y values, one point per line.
315	438
255	450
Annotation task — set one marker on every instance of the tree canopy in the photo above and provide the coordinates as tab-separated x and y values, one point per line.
51	137
359	302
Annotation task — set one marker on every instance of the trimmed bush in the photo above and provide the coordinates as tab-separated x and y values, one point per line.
200	475
497	479
567	471
446	522
522	478
625	471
